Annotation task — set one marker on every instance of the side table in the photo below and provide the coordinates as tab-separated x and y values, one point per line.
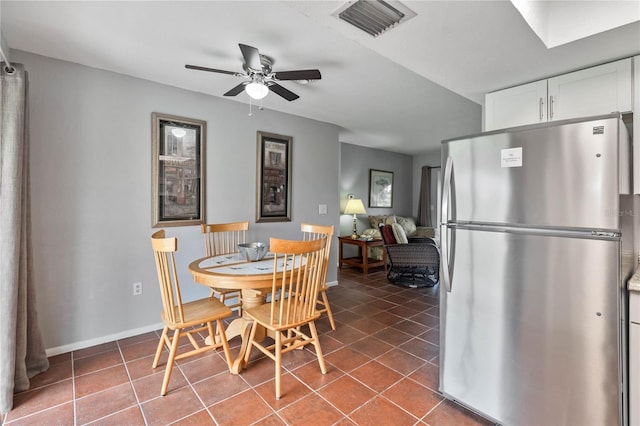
361	261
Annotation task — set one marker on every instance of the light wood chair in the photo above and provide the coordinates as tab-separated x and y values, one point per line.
313	232
184	319
223	238
293	304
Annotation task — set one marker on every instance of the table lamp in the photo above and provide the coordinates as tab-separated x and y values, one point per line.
354	206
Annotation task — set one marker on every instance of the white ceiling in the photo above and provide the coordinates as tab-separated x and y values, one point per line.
403	91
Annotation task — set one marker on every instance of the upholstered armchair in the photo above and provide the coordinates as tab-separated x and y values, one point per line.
413	232
410	264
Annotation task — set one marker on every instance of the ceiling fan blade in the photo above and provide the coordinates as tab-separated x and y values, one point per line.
285	93
236	90
196	67
251	57
298	75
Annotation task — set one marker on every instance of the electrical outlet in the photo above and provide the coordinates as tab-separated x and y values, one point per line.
137	289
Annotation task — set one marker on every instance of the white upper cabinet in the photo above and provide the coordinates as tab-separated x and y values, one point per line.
516	106
592	91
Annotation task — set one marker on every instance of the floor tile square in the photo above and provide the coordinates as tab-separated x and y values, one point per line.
100	380
311	411
413	397
42	398
233	411
346	394
104	403
175	405
380	411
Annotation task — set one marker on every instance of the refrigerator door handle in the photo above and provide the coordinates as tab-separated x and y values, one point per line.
444	217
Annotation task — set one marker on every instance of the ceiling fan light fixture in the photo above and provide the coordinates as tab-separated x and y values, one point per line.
256	90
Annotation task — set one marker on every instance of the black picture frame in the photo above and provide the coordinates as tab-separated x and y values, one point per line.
380	188
177	181
274	178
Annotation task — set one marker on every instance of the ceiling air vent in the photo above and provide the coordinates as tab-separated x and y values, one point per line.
374	16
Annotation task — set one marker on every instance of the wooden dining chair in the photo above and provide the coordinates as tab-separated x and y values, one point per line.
312	232
293	302
223	238
184	319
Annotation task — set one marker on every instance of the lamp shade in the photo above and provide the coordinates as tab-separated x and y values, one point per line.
256	90
354	206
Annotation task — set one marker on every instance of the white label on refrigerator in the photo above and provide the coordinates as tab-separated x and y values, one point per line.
511	157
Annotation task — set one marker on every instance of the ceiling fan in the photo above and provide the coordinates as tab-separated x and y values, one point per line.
262	78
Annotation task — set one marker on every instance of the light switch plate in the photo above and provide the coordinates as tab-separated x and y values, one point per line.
322	209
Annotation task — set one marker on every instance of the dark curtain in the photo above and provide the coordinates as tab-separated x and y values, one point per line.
424	204
22	353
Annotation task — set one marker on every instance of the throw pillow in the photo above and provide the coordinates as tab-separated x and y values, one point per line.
387	234
398	233
408	224
375	221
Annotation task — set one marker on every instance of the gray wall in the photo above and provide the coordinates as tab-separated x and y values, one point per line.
91	192
355	162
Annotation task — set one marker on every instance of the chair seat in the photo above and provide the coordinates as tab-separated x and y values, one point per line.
262	314
198	312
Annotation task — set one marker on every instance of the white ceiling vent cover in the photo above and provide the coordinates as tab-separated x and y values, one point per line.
374	16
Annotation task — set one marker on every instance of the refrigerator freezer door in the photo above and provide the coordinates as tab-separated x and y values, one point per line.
530	331
548	176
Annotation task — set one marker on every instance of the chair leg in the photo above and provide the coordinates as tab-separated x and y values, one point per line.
252	336
328	309
225	343
316	344
278	363
160	347
172	356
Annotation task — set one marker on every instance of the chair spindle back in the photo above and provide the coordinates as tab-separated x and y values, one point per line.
164	249
223	238
296	290
315	232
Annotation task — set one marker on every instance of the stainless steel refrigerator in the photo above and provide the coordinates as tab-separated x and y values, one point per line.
536	248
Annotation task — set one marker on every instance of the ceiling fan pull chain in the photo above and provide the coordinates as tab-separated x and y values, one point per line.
250	114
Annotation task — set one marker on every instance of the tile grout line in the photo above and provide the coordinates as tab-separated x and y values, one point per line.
73	389
133	389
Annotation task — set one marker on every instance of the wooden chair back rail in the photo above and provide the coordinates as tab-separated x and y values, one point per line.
223	238
297	291
164	249
312	232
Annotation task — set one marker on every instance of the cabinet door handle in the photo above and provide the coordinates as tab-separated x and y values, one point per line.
541	109
551	107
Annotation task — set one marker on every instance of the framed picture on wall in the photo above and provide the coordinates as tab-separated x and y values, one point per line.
177	187
274	178
380	188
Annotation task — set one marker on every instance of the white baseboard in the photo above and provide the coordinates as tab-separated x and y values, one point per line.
104	339
116	336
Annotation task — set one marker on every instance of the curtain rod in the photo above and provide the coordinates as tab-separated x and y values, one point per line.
7	67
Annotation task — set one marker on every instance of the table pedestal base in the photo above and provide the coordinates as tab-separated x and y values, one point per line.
242	326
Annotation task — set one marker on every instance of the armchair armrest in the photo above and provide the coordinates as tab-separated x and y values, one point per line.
416	255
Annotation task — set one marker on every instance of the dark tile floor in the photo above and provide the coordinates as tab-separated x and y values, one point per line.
382	363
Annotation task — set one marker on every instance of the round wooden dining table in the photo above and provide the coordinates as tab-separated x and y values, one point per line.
254	279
